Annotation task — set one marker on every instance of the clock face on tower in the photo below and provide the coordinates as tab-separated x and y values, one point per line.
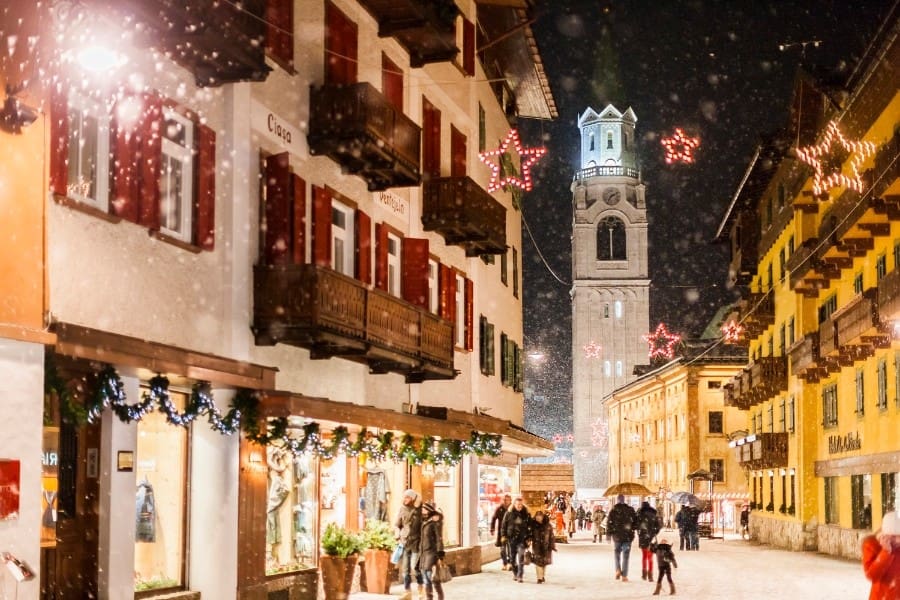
611	196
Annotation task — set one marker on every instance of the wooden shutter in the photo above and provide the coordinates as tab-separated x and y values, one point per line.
340	47
150	159
504	359
321	216
381	256
205	223
125	175
137	154
392	82
431	140
457	153
280	31
470	314
363	247
414	271
446	293
482	348
59	142
278	209
468	47
299	220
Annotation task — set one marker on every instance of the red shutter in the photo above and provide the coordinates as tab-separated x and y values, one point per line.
125	140
351	51
321	216
340	47
447	293
205	229
363	247
392	82
59	140
468	47
470	314
414	271
457	153
299	218
431	144
280	31
149	160
381	256
278	209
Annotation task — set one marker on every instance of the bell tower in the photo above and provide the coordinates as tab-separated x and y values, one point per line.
611	288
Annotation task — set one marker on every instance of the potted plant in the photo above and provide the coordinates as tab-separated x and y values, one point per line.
378	541
341	547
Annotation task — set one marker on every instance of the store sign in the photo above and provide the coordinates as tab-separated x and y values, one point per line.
844	443
277	129
394	204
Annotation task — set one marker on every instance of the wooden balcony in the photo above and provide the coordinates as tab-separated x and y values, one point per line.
805	270
764	451
219	42
426	28
759	381
858	328
757	312
465	215
358	128
333	315
804	358
889	297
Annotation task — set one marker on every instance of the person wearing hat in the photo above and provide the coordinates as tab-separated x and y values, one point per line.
409	530
881	558
665	559
516	530
432	547
620	524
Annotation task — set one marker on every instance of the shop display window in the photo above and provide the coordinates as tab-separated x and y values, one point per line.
292	509
49	486
381	487
494	482
447	498
161	458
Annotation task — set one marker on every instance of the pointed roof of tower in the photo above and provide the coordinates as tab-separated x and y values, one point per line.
610	113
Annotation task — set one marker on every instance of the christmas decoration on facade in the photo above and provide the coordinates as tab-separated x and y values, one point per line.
662	343
500	178
679	147
599	433
592	350
732	332
814	156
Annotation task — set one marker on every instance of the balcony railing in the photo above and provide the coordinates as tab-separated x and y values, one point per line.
606	171
358	128
858	327
426	28
333	315
889	297
759	381
757	312
804	357
763	451
465	215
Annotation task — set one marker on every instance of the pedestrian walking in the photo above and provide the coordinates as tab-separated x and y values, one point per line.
597	519
881	559
665	560
580	515
543	544
620	525
408	527
692	530
570	520
516	530
496	523
432	547
745	521
647	526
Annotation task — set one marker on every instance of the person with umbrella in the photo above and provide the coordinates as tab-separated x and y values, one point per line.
620	525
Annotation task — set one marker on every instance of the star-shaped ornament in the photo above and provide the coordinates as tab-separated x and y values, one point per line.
592	350
679	147
814	156
662	343
732	332
527	158
599	433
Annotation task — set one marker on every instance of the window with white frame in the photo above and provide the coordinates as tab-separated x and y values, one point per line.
88	152
393	264
460	311
607	368
618	309
176	176
433	291
341	238
619	368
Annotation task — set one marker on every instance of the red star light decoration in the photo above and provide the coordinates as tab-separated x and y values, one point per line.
679	147
527	158
599	433
592	350
662	343
732	332
813	155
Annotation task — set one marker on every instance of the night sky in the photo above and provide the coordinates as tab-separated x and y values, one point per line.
713	68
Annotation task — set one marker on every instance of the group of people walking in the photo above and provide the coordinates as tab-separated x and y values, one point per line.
419	526
523	538
624	523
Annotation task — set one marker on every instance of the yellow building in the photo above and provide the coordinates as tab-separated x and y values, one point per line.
671	422
813	230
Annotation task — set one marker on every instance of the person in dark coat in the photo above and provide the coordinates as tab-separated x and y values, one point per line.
516	531
580	515
692	528
647	525
543	544
431	548
665	558
496	523
681	518
620	525
408	527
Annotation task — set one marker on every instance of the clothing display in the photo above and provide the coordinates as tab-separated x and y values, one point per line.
376	494
145	514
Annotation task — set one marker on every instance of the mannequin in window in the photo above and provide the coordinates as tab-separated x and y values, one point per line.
376	492
278	462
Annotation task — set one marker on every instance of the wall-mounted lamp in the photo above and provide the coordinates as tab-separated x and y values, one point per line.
15	115
793	471
771	473
782	472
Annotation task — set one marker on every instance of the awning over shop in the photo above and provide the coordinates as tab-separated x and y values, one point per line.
515	439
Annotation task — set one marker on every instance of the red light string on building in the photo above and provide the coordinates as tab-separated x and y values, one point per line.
679	147
592	350
527	158
661	342
814	155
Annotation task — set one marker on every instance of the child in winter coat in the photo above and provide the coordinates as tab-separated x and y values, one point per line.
543	544
665	559
881	558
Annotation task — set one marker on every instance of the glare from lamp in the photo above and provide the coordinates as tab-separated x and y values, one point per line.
98	58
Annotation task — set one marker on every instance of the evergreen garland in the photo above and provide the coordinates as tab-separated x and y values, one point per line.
108	391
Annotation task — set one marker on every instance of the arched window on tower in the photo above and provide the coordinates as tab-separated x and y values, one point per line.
609	140
592	141
611	239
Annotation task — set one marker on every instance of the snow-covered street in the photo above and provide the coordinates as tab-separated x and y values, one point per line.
728	569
